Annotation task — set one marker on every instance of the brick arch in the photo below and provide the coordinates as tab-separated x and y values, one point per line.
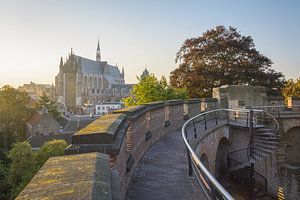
221	156
209	145
292	147
204	160
288	124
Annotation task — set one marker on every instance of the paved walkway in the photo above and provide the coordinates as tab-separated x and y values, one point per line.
162	173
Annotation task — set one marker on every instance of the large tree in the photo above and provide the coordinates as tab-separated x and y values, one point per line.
14	113
223	57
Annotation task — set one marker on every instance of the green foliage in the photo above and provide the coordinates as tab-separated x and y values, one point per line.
46	102
14	113
150	89
223	57
24	164
22	168
4	186
291	88
51	149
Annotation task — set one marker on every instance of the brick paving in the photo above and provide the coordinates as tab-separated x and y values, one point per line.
162	173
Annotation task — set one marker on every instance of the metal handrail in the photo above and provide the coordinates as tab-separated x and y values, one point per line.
208	179
200	166
276	106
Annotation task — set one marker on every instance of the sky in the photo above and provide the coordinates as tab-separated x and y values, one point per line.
133	34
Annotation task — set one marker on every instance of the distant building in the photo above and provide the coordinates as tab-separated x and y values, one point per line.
42	127
36	90
145	73
107	107
42	123
88	109
81	80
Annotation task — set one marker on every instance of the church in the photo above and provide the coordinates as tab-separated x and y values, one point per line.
81	80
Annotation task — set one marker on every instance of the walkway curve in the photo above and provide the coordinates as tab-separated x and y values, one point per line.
162	173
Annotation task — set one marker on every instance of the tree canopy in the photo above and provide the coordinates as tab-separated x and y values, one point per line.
22	167
223	57
150	89
23	164
14	113
46	102
51	149
291	88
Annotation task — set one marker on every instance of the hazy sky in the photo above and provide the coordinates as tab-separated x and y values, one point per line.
34	34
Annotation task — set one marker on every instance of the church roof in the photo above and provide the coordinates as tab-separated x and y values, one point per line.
89	66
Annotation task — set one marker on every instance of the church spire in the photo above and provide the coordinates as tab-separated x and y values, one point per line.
61	64
98	54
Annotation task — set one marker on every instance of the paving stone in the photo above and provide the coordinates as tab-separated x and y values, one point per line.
162	173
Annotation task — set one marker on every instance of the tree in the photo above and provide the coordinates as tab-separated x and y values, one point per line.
223	57
51	149
14	113
291	88
150	89
22	168
4	166
46	102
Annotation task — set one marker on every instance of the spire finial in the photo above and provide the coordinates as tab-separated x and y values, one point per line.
98	54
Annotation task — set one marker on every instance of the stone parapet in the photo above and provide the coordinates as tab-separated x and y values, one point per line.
84	176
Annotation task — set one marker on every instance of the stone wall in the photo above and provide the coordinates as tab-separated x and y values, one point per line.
84	176
131	132
236	137
238	96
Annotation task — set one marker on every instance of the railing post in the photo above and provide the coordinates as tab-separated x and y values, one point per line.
190	168
251	131
235	116
278	111
227	112
252	179
205	123
247	119
216	118
195	130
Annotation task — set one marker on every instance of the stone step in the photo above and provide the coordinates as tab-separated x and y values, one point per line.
265	146
263	150
267	134
263	130
258	155
263	138
269	142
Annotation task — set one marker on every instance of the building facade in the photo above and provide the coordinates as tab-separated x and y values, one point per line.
107	107
36	90
81	80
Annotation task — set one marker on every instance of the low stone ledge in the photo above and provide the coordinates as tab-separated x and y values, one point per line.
101	131
192	101
132	111
209	100
81	176
174	102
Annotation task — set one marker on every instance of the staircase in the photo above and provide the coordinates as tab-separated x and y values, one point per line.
248	165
